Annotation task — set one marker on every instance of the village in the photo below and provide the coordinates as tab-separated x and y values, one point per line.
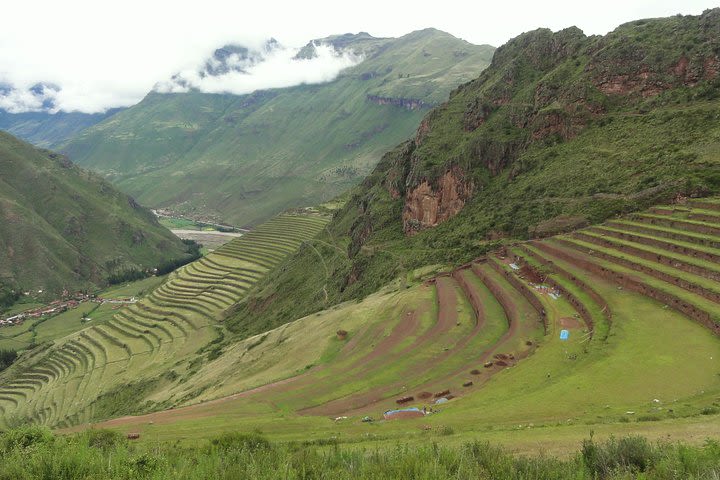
69	301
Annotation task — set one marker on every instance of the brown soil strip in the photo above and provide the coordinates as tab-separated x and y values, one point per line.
653	242
472	297
447	318
569	296
647	255
628	281
408	324
704	217
665	277
708	242
679	224
704	205
522	289
569	322
512	316
594	295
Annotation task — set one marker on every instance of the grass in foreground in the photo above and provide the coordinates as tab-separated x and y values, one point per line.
33	452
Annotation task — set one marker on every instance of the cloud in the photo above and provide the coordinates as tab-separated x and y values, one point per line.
277	67
19	100
111	54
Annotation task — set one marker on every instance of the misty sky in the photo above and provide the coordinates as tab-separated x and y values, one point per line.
100	55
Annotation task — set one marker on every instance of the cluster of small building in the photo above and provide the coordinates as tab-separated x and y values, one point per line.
68	302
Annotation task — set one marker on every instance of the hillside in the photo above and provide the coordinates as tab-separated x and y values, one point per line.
245	158
486	336
612	328
561	131
64	227
49	130
148	355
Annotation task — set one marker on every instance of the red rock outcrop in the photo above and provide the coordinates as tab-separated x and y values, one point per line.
688	72
427	205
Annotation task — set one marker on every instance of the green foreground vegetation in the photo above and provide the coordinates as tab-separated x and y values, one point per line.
34	453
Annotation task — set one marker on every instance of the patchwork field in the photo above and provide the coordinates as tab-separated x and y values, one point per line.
147	348
638	298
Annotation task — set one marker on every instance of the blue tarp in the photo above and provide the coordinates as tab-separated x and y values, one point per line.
564	334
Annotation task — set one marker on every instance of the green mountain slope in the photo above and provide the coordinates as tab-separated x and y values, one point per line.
49	130
64	227
560	131
245	158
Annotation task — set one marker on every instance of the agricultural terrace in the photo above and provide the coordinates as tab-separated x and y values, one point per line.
78	378
637	301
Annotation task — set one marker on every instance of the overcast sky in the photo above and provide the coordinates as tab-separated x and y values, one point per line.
105	54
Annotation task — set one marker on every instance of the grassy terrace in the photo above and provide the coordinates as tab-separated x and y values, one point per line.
640	350
638	298
74	379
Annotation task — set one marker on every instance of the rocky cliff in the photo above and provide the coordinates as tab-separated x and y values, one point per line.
544	87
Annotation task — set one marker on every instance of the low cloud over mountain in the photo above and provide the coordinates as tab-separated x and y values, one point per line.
232	69
240	70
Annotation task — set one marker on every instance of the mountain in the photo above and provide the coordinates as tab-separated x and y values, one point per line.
243	158
30	114
560	131
49	130
64	227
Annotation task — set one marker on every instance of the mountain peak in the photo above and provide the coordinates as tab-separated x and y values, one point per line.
361	43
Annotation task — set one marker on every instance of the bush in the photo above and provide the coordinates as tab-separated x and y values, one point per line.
8	295
146	464
127	275
23	438
104	439
7	357
631	454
